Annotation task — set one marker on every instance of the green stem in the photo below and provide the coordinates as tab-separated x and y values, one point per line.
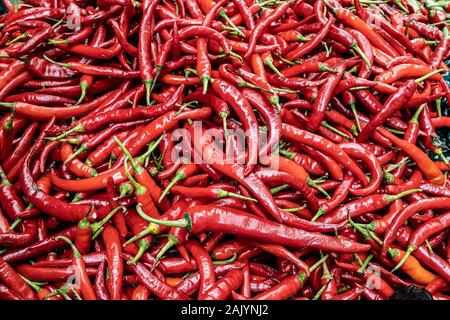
316	186
358	50
279	188
180	223
365	264
78	128
178	177
391	198
65	65
76	253
15	224
319	293
427	76
84	86
230	260
325	124
405	257
144	245
269	62
223	194
171	241
79	151
97	227
228	20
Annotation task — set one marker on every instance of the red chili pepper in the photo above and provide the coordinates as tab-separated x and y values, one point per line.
14	282
321	103
155	285
115	263
201	218
87	291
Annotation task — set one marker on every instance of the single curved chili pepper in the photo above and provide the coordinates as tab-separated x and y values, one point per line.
324	146
20	148
362	205
304	49
201	218
263	24
49	274
47	203
428	168
245	113
99	286
46	113
205	265
83	236
114	260
407	70
323	100
87	291
102	71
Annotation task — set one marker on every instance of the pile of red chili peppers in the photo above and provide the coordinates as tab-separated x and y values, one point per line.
348	203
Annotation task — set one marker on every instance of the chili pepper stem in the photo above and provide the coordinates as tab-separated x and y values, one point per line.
319	293
427	76
316	186
325	124
224	194
205	80
441	155
97	227
144	245
77	128
228	20
180	223
158	72
9	105
5	181
148	90
171	241
84	86
230	260
79	151
320	212
269	62
279	188
295	209
76	253
32	284
15	224
363	267
408	252
358	50
392	198
55	41
178	177
65	65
